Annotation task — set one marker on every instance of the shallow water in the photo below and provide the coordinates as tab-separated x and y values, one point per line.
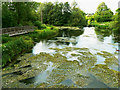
86	40
89	39
72	59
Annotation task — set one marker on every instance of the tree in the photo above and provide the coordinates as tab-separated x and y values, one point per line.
8	15
117	21
103	13
18	13
66	13
77	18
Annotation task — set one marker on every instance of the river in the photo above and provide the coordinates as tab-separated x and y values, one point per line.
82	59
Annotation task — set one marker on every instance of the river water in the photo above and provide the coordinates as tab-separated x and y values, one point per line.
82	59
88	39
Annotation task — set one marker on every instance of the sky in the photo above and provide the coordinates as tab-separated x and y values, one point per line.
88	6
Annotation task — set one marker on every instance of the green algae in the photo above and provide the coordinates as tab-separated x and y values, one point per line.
110	58
25	56
61	86
105	54
64	69
42	85
87	60
88	54
106	75
11	81
64	52
111	61
75	54
67	49
80	79
57	49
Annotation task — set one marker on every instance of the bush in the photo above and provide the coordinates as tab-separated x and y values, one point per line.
43	26
17	46
51	27
11	49
6	38
38	24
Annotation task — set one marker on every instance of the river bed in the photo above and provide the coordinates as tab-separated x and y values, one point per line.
73	59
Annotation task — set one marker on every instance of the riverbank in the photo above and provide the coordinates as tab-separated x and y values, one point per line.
102	25
69	28
13	47
89	63
106	28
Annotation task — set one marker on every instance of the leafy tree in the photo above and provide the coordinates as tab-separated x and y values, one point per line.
47	13
66	12
18	13
103	13
117	21
26	13
8	15
77	18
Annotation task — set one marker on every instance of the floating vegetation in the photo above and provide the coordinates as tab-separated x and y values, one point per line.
111	61
75	54
42	85
106	75
105	54
80	80
74	72
62	86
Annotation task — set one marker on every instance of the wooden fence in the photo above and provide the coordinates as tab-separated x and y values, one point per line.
11	31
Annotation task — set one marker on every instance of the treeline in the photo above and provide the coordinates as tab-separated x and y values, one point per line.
116	19
27	13
105	19
18	13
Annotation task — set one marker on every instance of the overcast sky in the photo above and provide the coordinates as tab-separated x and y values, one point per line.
89	6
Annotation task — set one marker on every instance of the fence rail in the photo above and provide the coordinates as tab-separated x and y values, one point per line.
11	31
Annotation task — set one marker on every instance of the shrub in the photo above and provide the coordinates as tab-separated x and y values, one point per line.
43	26
11	49
6	38
38	24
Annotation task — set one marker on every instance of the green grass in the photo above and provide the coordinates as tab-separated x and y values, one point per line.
103	25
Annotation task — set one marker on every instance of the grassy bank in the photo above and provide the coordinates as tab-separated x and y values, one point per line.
12	47
102	25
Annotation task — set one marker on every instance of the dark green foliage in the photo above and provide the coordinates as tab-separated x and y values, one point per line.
77	18
11	49
30	13
117	21
15	46
43	26
62	14
6	38
18	13
38	24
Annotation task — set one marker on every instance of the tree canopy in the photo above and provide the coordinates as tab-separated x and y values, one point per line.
26	13
103	13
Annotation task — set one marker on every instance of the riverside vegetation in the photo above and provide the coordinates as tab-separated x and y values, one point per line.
70	64
12	47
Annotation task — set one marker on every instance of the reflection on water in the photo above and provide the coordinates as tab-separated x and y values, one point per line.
73	58
43	76
87	40
94	41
